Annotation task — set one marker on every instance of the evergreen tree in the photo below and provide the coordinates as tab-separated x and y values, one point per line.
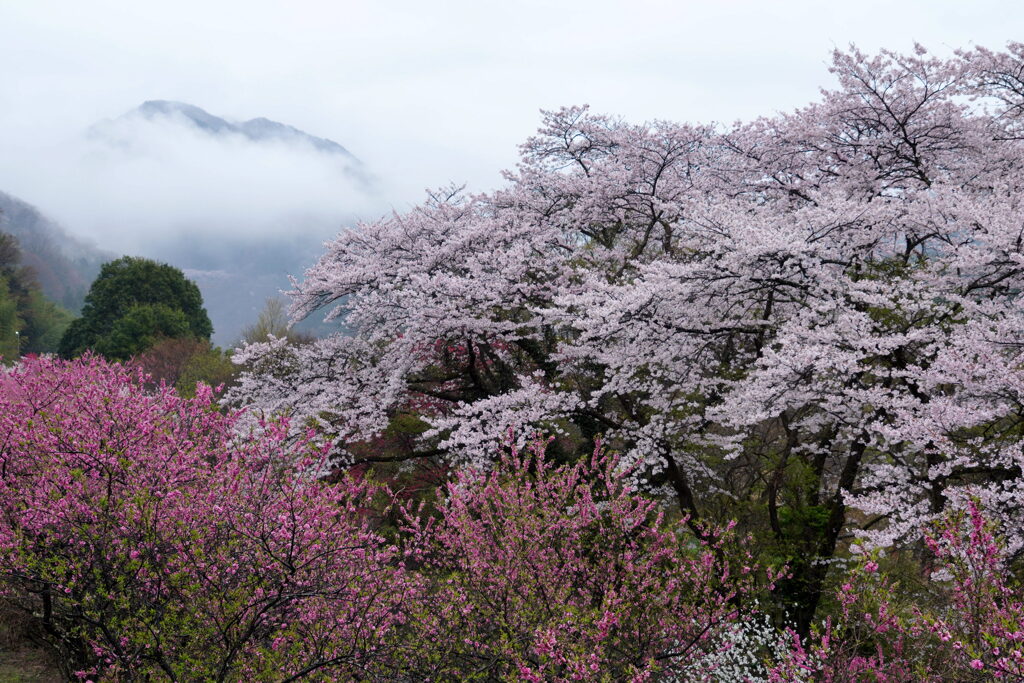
133	303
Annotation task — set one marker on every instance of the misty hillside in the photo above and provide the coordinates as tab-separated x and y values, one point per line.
237	267
237	276
64	264
239	206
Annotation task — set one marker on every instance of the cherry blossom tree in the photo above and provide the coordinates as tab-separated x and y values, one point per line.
807	312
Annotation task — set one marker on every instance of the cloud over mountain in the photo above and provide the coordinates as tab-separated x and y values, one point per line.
253	199
167	169
259	130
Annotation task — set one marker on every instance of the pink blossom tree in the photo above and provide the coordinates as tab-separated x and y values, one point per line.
810	311
152	539
561	573
969	626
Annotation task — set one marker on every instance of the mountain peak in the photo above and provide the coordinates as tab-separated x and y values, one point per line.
199	117
258	130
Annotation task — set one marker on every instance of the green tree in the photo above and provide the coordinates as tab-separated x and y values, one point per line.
140	328
45	324
182	362
212	366
131	305
29	322
10	324
273	320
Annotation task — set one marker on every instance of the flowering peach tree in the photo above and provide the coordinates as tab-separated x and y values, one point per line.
151	539
968	626
562	573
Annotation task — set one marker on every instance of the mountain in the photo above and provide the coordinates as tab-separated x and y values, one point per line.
238	205
64	265
306	187
259	130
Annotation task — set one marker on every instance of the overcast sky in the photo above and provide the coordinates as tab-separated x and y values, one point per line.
424	92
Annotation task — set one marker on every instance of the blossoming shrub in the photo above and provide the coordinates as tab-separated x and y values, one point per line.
971	630
558	573
152	542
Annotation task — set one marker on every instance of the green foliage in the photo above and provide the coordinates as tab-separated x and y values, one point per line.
211	366
29	322
133	303
182	362
10	324
45	323
139	329
273	320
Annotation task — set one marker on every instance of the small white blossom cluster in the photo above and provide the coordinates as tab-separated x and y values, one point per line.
745	653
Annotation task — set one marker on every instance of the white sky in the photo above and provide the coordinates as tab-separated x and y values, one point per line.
428	92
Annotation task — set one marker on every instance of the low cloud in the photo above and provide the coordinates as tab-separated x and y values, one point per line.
134	184
237	215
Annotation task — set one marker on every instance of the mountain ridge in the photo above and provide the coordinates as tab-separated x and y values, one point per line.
259	130
236	269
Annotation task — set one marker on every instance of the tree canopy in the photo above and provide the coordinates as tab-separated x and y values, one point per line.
806	314
133	303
